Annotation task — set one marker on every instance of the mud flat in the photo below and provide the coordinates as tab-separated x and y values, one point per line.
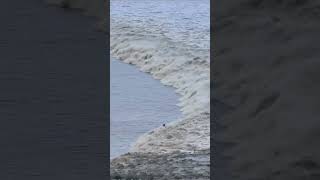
265	67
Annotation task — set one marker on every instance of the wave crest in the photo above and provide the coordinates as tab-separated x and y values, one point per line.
175	64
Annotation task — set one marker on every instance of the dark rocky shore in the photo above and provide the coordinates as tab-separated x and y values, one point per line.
266	66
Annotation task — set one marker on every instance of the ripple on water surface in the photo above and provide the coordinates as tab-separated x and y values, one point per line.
186	21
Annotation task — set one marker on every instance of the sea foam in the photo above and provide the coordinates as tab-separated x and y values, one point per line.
177	65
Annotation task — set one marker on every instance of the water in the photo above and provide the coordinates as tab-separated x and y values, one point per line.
183	21
180	34
139	104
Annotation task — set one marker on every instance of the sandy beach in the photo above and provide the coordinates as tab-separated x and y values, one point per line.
53	94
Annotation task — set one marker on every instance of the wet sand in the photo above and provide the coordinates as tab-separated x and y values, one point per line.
53	94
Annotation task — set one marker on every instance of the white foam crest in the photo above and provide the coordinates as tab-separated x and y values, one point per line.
176	65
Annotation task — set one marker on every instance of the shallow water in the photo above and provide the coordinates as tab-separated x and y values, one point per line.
139	104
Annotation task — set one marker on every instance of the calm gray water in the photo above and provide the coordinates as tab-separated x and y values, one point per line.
138	104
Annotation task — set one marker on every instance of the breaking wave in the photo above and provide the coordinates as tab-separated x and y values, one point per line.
176	64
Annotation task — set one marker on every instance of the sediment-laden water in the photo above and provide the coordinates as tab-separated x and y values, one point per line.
139	104
170	40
